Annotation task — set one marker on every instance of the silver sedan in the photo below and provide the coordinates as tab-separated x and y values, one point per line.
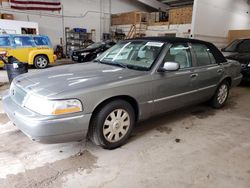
132	81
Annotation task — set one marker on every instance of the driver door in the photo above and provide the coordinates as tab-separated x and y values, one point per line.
173	89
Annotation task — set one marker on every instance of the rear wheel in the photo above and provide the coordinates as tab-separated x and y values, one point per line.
41	62
111	126
220	97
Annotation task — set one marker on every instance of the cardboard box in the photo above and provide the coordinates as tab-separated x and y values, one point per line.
237	34
7	16
129	18
181	15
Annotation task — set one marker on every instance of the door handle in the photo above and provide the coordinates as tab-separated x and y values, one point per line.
193	75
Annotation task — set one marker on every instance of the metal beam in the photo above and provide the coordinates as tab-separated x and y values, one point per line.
154	4
177	2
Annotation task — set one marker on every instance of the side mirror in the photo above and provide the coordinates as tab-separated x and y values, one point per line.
223	49
169	66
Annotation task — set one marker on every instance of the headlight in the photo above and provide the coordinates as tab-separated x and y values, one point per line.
52	107
84	54
248	65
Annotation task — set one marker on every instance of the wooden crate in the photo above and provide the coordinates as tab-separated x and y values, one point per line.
158	23
129	18
7	16
181	15
236	34
153	17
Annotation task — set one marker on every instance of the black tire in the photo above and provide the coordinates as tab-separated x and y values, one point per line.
97	126
221	95
41	62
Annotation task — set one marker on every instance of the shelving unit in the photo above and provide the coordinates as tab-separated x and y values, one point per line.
76	40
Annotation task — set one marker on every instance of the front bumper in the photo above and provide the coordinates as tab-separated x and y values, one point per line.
75	57
54	58
246	74
46	129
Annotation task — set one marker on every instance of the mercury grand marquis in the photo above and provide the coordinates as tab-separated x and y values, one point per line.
130	82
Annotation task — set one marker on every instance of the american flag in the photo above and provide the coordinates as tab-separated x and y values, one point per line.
49	5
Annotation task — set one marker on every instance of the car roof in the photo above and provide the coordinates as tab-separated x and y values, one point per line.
219	57
170	39
28	35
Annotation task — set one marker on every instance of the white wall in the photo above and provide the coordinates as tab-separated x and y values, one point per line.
213	18
76	13
14	27
181	30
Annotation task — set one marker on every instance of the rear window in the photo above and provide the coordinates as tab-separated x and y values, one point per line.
244	47
41	41
232	47
203	55
4	41
23	41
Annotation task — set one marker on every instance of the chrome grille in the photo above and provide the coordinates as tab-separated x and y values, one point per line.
17	94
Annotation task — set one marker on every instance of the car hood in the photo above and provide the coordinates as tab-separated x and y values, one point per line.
55	80
85	50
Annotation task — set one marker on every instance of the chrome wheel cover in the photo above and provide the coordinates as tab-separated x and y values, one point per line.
42	62
116	125
222	94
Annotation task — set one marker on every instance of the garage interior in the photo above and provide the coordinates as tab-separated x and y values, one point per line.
196	146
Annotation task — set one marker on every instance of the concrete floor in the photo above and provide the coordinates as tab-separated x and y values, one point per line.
193	147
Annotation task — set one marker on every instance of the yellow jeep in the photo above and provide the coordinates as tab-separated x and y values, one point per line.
33	49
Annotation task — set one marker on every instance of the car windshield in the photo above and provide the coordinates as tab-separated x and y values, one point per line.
95	45
232	47
4	41
138	55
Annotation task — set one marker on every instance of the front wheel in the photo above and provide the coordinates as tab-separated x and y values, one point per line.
41	62
220	97
111	126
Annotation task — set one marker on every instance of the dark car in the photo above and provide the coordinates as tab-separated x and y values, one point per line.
90	53
239	50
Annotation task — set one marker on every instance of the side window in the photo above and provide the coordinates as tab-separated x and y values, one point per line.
203	55
244	47
179	53
23	41
41	41
4	41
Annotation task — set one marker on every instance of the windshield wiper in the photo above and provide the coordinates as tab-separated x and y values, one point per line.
120	64
111	63
134	67
123	65
97	61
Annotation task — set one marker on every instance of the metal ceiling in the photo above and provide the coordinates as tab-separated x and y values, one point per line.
177	3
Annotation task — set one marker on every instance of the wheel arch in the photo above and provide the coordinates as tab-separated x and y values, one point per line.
228	79
40	54
132	101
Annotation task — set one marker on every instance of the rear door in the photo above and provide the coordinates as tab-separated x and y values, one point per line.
23	45
173	89
207	73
